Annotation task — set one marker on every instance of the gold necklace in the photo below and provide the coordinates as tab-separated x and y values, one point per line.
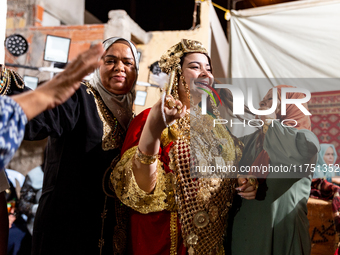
15	75
202	203
5	82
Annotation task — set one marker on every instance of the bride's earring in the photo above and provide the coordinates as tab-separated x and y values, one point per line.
216	112
186	86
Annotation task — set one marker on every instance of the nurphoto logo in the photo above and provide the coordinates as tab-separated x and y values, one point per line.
238	104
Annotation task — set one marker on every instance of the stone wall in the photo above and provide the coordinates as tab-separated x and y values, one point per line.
68	12
25	13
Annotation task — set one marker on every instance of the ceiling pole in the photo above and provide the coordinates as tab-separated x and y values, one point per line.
229	4
194	20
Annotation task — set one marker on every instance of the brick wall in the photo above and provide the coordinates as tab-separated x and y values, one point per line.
81	39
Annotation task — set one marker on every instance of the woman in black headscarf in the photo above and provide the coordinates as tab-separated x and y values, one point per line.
85	133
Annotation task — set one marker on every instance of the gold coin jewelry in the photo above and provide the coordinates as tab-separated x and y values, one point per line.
253	181
213	213
145	158
201	219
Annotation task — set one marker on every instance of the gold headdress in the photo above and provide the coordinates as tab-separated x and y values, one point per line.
170	61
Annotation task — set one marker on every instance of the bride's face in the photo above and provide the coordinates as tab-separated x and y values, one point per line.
196	71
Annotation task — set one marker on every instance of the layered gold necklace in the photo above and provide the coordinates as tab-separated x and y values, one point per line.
202	201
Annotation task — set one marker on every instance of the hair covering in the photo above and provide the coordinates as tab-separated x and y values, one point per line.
119	105
292	112
322	169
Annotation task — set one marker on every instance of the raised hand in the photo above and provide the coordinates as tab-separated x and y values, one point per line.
62	86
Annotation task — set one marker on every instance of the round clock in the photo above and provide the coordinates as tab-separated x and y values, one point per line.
16	44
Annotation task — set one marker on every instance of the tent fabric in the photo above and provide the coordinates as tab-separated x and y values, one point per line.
293	40
285	44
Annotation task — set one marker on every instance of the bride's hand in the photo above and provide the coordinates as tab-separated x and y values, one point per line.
173	109
162	114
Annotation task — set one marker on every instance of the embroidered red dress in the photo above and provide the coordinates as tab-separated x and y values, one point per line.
154	224
149	231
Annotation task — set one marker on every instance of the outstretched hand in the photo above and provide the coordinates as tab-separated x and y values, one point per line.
63	85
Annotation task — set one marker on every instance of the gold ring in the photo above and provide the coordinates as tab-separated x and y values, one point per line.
179	109
253	182
171	103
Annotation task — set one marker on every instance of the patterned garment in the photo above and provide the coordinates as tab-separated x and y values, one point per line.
322	189
12	129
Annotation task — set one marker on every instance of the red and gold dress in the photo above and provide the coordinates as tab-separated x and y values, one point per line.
183	214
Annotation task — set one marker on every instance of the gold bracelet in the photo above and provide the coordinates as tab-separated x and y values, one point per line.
145	158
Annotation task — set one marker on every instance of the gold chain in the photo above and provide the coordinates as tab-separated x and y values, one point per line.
173	233
15	76
5	82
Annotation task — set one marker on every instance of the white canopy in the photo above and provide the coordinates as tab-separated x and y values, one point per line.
293	40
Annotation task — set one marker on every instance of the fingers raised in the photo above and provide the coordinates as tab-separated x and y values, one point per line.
85	63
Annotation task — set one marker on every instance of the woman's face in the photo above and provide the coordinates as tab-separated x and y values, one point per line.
329	156
196	71
267	101
118	73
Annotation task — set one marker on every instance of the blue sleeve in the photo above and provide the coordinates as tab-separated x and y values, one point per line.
12	129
